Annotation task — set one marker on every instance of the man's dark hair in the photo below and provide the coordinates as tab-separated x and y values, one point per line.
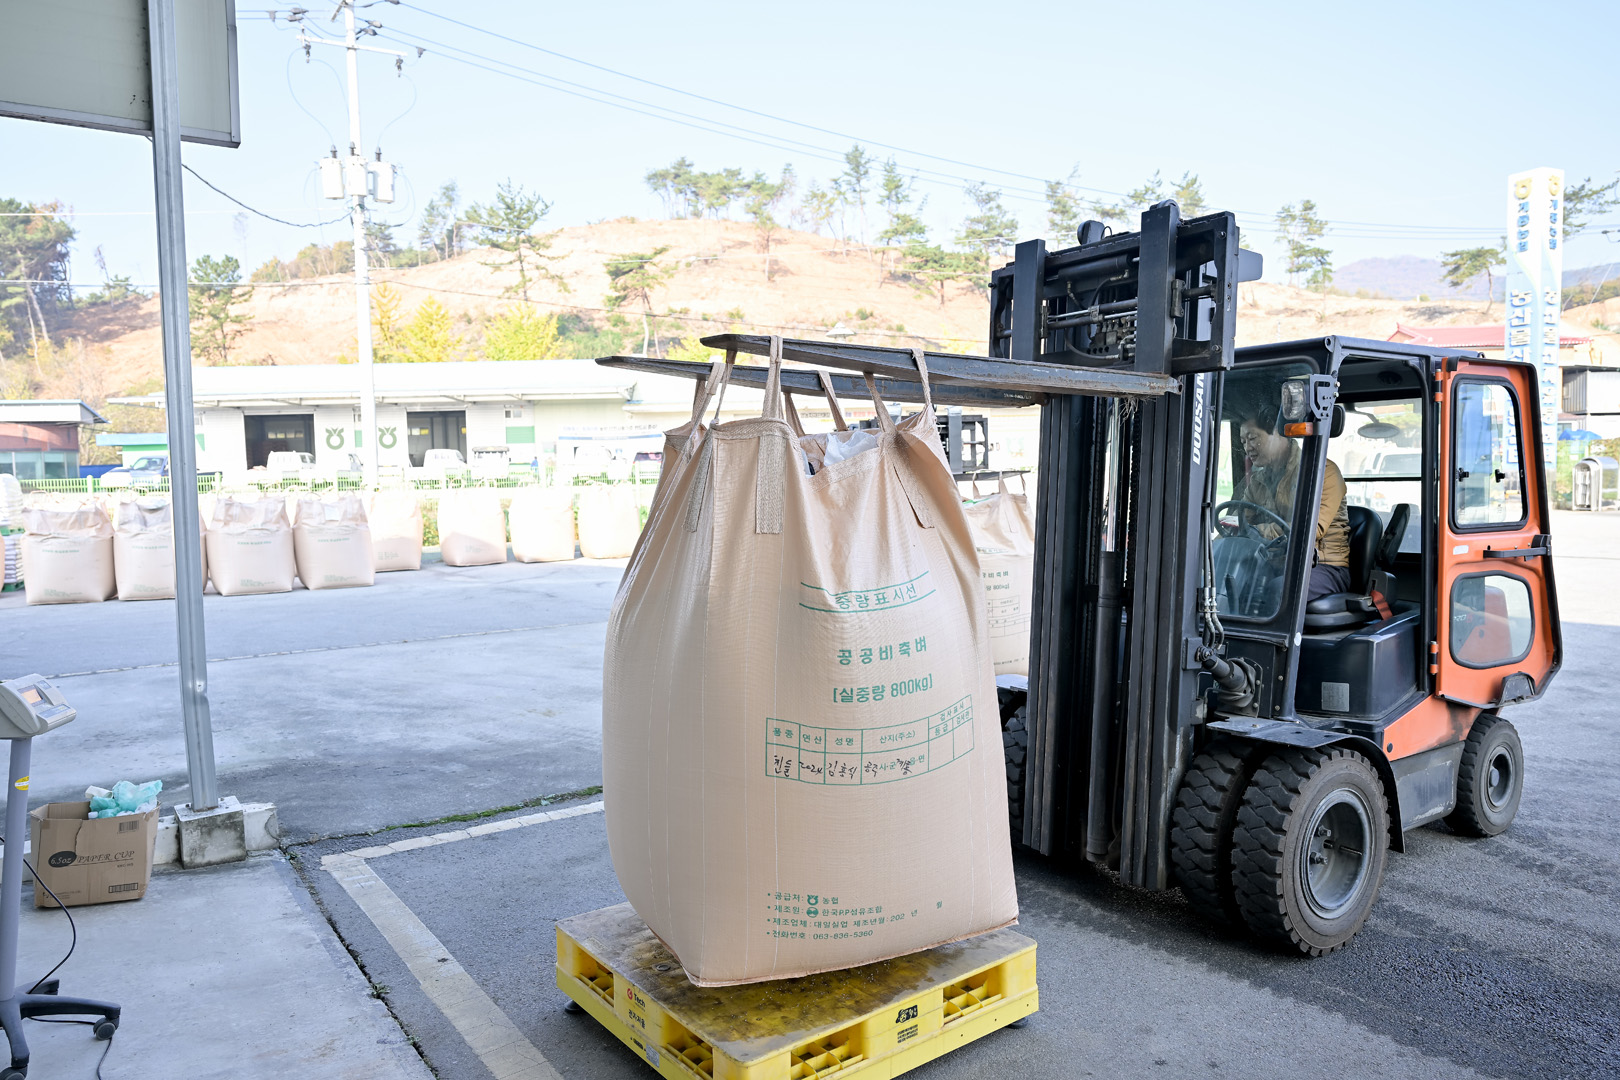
1263	418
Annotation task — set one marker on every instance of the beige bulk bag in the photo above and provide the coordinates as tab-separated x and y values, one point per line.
801	745
250	548
332	543
67	554
472	527
1003	529
542	524
609	521
395	518
143	549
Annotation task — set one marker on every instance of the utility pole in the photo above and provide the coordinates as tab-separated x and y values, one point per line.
355	179
362	265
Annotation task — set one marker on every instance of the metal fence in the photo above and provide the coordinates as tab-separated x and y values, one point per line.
213	482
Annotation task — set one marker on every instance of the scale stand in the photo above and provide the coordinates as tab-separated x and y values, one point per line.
29	706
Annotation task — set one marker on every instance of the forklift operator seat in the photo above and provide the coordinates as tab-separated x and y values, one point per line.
1353	607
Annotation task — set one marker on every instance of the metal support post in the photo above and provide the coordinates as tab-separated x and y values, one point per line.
171	237
11	863
362	269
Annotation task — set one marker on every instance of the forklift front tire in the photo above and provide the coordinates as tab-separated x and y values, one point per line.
1207	805
1309	848
1490	778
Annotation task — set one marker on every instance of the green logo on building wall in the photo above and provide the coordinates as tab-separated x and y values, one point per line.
334	438
386	438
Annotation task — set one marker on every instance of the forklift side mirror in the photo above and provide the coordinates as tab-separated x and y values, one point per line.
1338	422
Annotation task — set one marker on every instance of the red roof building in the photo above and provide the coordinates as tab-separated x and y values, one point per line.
1490	337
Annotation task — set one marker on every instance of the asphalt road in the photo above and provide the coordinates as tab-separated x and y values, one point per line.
443	691
456	690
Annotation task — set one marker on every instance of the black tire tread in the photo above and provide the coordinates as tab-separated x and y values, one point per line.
1257	847
1201	829
1015	750
1465	819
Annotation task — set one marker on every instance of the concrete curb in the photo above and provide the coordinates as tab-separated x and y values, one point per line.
258	821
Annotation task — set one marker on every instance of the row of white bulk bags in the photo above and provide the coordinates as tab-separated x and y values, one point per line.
395	518
67	554
332	543
472	527
250	546
1003	531
143	549
609	521
542	522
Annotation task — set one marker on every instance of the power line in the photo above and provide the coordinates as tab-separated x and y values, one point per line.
1438	231
261	213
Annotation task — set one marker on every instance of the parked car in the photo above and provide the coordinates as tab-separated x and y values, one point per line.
147	471
290	464
444	462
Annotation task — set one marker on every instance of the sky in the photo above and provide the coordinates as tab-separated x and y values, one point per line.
1401	121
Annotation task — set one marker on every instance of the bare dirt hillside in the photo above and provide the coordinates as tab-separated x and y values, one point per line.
718	281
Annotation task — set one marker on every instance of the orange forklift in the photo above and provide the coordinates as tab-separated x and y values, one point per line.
1193	716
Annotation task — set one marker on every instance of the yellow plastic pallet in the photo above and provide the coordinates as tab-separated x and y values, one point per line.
880	1020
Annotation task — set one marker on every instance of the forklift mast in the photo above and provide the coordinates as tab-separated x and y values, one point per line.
1123	498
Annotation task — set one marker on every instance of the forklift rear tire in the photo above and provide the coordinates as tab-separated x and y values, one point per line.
1207	807
1490	778
1309	848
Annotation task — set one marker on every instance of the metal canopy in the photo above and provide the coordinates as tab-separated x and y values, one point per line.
1028	377
800	381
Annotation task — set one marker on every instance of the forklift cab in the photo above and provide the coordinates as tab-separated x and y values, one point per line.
1448	594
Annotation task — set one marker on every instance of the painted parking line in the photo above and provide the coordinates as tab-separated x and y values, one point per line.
488	1031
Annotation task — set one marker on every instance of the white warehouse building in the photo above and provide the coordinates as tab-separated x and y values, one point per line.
527	406
245	413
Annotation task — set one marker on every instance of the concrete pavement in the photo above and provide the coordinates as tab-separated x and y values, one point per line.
229	972
443	691
474	688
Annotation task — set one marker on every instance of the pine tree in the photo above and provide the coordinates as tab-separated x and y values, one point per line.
990	231
760	201
856	182
1189	195
1064	213
216	289
1301	227
631	281
441	229
507	225
1466	264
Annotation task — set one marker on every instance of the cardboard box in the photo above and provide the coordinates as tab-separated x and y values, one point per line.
88	860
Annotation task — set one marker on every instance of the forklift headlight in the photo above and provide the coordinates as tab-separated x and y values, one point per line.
1295	401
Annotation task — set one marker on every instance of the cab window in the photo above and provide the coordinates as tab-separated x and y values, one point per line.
1487	470
1491	620
1257	487
1380	452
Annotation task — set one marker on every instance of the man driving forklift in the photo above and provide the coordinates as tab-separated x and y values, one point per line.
1271	477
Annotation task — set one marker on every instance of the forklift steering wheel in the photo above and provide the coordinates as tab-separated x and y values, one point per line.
1246	504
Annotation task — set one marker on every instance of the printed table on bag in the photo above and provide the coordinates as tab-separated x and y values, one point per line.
856	756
